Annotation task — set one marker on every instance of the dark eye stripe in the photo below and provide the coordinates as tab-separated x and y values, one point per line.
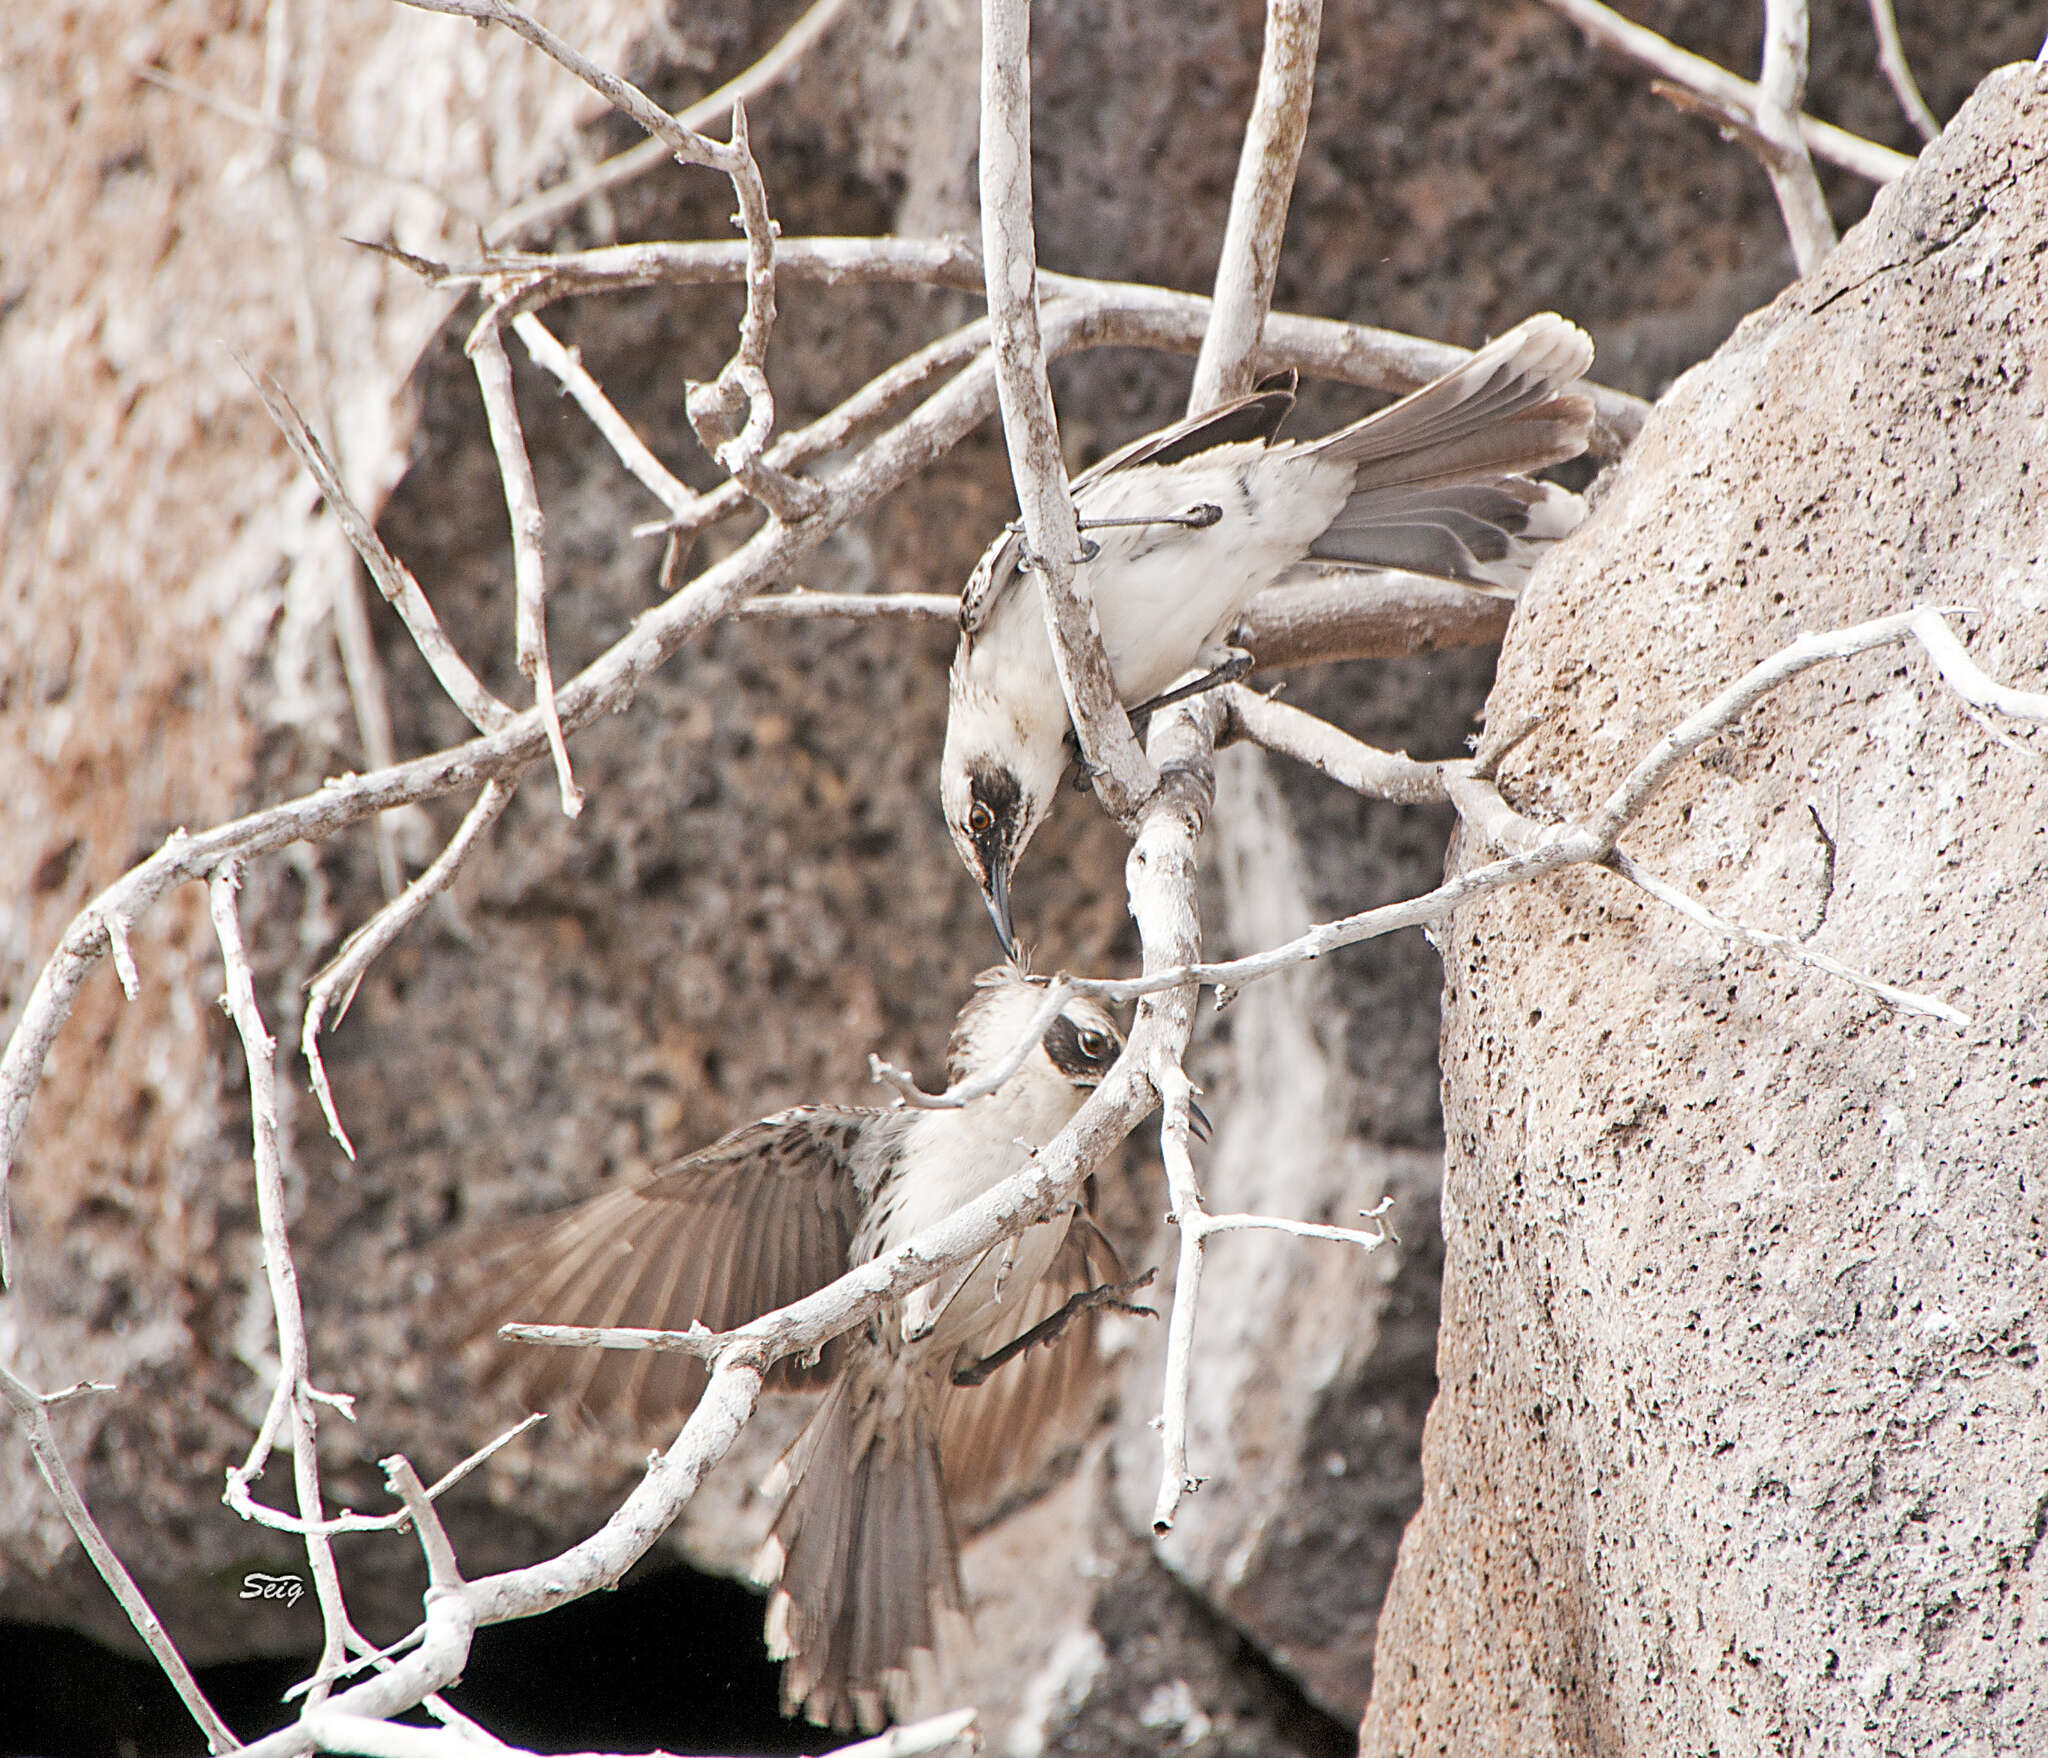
1062	1042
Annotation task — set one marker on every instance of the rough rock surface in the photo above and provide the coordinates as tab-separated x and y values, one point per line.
1744	1304
759	892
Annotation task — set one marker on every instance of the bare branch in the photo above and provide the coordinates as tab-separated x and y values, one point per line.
1780	92
1185	1197
801	604
1119	313
404	1483
31	1410
683	143
1603	25
572	192
646	469
1250	258
1723	710
1693	910
360	950
1051	529
1891	56
394	580
294	1361
914	1738
1967	678
1350	613
1292	732
1354	614
529	563
734	414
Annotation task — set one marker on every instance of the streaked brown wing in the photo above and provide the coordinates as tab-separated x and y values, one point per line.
764	1216
999	1442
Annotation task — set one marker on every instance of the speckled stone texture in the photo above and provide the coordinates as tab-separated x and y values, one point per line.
1741	1438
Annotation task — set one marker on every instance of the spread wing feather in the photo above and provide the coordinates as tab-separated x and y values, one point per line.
761	1217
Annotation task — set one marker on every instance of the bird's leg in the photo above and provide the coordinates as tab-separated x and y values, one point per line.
1198	517
1047	1330
1231	663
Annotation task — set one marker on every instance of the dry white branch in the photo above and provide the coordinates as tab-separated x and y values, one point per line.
1350	613
1250	257
336	985
1967	678
1119	313
1052	532
1898	71
238	1498
295	1384
394	580
1291	732
529	562
1780	92
32	1410
572	192
1185	1213
404	1483
631	450
1727	92
1785	944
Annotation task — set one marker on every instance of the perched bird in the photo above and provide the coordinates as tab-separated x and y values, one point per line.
863	1556
1182	529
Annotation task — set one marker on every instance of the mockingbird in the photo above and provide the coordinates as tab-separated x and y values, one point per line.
863	1556
1182	529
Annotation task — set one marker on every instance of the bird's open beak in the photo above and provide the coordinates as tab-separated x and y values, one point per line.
997	896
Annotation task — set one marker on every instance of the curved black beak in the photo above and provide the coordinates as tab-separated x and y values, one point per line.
996	894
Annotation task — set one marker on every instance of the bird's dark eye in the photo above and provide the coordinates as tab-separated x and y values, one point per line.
1094	1045
979	819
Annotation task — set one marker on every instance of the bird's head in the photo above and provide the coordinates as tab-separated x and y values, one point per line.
997	780
1080	1044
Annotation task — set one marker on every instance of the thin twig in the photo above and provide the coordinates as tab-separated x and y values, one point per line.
572	192
1602	24
1291	732
394	580
632	451
336	985
529	562
1250	258
1967	678
1186	1213
404	1483
1122	777
1891	56
1119	313
239	1499
294	1360
31	1409
1780	91
1785	944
